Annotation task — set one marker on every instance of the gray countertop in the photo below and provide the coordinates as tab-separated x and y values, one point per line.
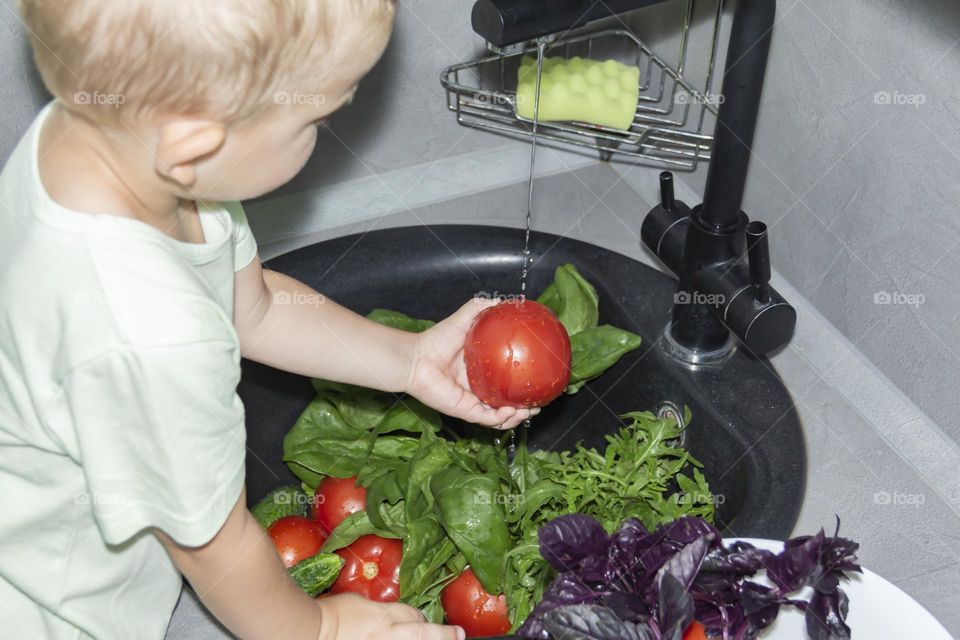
874	459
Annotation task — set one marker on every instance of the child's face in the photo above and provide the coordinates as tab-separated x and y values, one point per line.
266	152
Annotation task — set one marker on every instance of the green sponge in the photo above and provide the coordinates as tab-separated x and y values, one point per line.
603	93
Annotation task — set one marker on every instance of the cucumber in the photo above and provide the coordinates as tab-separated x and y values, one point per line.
317	573
285	501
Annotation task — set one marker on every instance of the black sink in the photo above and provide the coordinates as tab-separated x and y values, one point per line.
744	427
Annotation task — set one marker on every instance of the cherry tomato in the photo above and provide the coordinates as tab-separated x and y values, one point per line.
468	605
296	538
695	632
335	499
371	569
517	355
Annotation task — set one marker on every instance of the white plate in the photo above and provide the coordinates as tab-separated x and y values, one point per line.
878	610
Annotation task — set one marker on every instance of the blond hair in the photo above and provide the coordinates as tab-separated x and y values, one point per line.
226	59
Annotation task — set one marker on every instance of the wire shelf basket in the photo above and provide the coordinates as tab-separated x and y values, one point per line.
673	125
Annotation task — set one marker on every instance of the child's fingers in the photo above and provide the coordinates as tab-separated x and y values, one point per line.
422	631
405	614
505	418
475	412
519	416
463	317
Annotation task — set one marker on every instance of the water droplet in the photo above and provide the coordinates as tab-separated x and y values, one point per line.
516	363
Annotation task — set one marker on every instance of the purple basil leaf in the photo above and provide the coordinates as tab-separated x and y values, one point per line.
687	529
627	606
675	607
628	543
826	616
568	539
840	554
826	582
593	622
566	589
798	564
597	569
760	605
634	557
739	559
685	565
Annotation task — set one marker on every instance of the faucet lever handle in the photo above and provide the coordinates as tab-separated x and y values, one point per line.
667	200
758	254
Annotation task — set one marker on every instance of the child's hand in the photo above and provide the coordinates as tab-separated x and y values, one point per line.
350	617
439	377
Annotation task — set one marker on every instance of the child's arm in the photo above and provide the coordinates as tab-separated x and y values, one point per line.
286	324
239	577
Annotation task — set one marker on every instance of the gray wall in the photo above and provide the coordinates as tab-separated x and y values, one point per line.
863	197
21	91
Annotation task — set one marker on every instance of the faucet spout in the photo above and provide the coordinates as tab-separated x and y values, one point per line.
743	75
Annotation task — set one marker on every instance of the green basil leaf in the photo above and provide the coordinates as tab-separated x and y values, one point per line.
423	530
363	411
409	415
424	536
573	299
392	448
320	419
321	457
550	298
399	320
387	489
474	519
353	526
595	350
321	443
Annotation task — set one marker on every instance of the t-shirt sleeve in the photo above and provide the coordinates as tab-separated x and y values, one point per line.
161	437
245	245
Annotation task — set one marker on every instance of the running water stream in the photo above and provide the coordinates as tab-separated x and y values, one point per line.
541	48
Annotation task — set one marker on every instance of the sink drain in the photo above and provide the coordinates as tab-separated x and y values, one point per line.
667	409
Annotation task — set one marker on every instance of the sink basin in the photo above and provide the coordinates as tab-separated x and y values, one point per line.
744	427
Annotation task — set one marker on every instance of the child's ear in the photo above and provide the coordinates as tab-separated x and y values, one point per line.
181	143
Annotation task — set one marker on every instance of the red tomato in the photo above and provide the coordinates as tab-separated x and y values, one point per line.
695	632
517	355
466	604
296	538
371	569
335	499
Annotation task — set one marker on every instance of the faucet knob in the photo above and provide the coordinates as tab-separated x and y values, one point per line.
758	254
667	200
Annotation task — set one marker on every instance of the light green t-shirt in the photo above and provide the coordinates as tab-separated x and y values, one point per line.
118	407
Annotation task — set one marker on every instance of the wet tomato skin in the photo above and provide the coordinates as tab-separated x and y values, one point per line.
371	568
468	605
517	354
296	538
335	499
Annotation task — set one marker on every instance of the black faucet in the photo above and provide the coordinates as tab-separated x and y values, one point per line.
721	259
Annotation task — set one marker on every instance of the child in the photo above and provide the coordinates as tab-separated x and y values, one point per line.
129	289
